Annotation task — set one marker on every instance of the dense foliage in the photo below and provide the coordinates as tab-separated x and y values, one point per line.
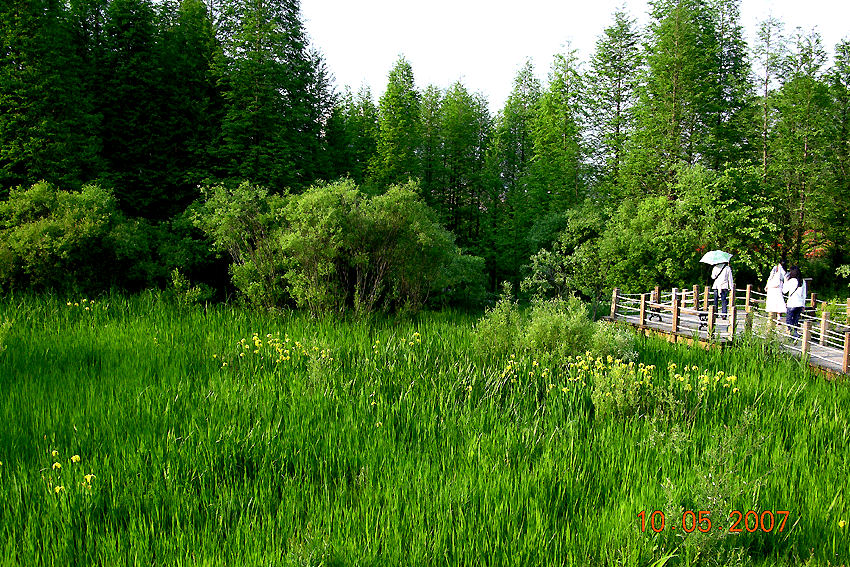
334	248
673	139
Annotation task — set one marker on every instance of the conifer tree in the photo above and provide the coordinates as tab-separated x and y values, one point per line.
399	129
46	119
613	84
276	96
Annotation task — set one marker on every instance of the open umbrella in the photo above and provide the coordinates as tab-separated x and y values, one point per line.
716	257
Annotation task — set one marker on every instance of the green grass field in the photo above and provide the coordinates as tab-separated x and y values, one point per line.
133	432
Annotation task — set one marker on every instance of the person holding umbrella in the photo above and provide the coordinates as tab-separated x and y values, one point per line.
721	275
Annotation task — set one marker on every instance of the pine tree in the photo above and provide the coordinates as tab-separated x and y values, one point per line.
800	142
276	96
837	206
679	100
46	119
769	52
557	169
612	95
399	129
465	128
727	143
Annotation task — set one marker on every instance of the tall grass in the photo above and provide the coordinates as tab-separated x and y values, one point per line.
220	436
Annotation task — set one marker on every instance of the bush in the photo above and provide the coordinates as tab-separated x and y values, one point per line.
334	248
57	239
558	328
496	333
552	329
616	341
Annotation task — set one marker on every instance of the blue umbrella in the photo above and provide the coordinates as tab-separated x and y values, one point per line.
716	257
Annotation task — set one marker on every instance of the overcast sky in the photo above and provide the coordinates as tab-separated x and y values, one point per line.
483	46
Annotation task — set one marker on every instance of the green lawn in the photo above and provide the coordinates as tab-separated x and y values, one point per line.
228	437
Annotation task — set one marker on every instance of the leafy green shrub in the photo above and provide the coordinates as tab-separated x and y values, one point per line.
334	248
497	331
619	389
242	222
57	239
617	341
552	329
185	293
557	327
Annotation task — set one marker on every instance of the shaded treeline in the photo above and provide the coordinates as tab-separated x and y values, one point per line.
618	171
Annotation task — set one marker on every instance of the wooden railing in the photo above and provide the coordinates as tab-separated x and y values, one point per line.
692	311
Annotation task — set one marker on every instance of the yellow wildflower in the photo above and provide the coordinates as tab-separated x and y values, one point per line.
56	466
55	453
75	459
841	524
58	489
88	478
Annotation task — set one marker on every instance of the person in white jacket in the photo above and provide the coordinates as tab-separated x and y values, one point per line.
723	283
795	289
775	302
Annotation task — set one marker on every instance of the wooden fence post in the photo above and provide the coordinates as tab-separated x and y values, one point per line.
845	364
657	298
696	298
615	296
674	324
705	300
733	322
642	320
824	327
749	294
732	297
814	300
807	335
710	320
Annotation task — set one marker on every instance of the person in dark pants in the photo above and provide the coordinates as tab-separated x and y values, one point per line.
795	290
723	283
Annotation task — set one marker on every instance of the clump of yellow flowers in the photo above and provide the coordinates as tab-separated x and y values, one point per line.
270	350
57	479
625	388
83	304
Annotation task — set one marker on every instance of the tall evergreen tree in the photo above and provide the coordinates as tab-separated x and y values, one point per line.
557	169
46	119
352	134
129	98
276	95
508	198
189	104
837	209
465	129
613	84
431	152
678	104
399	129
727	141
801	142
769	52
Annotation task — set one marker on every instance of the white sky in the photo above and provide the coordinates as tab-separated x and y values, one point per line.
484	47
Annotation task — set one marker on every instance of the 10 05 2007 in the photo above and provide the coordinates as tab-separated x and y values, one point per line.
739	521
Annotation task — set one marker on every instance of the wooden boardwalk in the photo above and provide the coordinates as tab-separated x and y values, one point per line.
687	315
